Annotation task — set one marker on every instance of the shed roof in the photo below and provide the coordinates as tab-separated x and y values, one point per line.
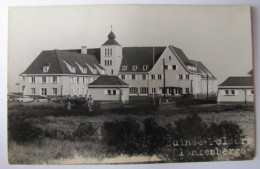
238	81
106	80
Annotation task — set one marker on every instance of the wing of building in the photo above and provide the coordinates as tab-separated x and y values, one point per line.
236	90
147	71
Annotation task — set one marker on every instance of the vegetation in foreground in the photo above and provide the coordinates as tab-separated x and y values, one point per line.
32	144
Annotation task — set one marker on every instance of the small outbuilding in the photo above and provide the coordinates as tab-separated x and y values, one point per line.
236	90
109	88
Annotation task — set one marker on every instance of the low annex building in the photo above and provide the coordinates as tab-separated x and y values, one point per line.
109	88
147	70
236	90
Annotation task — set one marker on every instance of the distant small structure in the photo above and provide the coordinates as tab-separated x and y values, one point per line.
109	88
236	90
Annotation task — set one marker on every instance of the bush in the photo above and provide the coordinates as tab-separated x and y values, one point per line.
84	132
22	131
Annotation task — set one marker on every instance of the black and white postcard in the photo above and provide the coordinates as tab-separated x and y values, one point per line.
117	84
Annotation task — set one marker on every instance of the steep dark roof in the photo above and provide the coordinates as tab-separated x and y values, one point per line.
108	81
140	56
181	55
91	51
238	81
202	69
111	40
55	59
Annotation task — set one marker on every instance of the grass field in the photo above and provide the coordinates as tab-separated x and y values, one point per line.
58	136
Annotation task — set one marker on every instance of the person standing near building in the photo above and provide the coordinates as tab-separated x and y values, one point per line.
90	103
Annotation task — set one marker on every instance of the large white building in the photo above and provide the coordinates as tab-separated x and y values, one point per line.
147	71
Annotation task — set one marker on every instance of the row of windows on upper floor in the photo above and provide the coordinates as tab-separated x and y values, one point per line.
55	79
108	62
151	76
145	67
108	52
82	69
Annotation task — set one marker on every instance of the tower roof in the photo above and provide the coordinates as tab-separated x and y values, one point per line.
111	40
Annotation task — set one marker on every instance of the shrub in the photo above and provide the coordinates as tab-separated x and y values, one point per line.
22	131
84	132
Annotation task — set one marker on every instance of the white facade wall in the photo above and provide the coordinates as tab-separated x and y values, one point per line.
240	95
212	86
111	53
64	86
172	76
101	94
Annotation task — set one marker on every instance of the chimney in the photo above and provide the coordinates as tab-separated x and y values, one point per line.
84	50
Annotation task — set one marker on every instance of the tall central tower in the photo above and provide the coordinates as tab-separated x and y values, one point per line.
111	55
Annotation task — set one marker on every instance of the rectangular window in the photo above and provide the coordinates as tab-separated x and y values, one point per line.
187	76
43	91
33	79
159	76
180	76
124	67
111	52
153	77
54	91
105	62
114	92
32	90
84	80
226	92
232	92
133	90
109	92
94	71
112	72
110	62
23	87
174	67
105	52
73	70
78	80
134	67
252	91
122	76
187	90
54	79
170	58
144	77
144	90
145	67
166	67
46	68
43	79
133	77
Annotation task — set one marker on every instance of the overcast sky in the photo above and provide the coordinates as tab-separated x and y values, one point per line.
219	36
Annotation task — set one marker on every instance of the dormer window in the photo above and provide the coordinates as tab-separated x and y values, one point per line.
145	67
45	69
84	70
94	71
124	67
73	70
134	67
